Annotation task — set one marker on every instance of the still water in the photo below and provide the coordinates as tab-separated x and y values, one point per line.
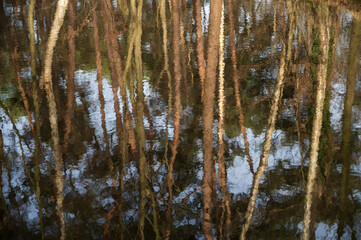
180	119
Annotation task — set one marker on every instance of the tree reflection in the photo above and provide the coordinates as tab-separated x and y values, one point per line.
163	111
53	116
346	152
272	117
317	122
207	115
176	118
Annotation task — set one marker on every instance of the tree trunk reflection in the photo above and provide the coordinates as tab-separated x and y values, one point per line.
36	103
317	122
176	118
271	122
53	116
200	44
70	73
346	152
207	114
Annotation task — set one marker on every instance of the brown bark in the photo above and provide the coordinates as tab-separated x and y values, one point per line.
207	114
200	44
162	7
70	74
177	107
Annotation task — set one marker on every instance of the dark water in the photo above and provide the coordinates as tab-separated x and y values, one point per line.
118	189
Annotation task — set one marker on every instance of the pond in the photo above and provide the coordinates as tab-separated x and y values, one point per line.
132	119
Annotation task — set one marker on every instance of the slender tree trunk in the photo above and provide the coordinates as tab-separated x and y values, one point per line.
200	44
327	143
70	74
32	39
115	67
222	173
207	114
347	123
37	112
143	168
176	117
168	215
162	7
317	121
100	88
235	77
37	156
121	143
272	117
53	116
266	145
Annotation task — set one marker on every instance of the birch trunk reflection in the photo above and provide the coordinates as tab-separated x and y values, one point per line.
317	121
222	173
266	145
53	116
207	114
271	122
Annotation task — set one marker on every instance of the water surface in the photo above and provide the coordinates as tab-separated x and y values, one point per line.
146	148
